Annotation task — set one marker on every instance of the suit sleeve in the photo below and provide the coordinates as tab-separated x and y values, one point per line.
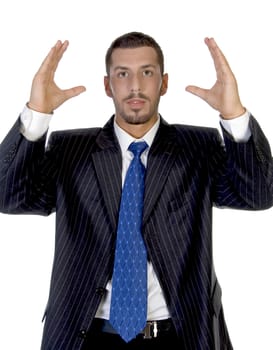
26	178
247	180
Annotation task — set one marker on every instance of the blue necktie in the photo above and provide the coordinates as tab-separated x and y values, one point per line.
128	311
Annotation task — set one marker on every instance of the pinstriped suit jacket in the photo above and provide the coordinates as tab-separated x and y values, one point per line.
79	178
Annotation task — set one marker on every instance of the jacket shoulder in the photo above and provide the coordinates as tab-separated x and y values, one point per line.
59	135
196	135
88	132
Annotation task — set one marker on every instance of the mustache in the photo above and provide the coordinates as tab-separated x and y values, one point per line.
136	95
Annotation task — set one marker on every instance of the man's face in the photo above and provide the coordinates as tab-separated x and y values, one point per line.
135	83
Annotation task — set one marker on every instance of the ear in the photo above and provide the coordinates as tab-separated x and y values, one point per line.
107	87
164	85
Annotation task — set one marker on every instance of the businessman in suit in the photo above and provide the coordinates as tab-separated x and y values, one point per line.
79	175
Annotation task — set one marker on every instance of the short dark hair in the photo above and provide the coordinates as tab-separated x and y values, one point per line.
134	40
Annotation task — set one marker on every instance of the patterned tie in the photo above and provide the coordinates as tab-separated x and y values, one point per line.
128	312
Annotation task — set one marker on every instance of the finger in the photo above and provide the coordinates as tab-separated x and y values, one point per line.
197	91
215	51
60	48
75	91
219	59
51	61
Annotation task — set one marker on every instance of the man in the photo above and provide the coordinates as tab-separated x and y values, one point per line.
80	175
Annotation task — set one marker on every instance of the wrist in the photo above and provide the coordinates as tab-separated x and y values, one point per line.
234	115
34	108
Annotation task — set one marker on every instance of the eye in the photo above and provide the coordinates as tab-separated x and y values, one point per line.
123	74
147	73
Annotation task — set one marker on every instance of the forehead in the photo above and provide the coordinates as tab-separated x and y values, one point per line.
134	57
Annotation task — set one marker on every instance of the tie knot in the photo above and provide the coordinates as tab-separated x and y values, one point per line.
137	147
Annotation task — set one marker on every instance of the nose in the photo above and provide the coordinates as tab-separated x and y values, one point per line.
135	90
135	84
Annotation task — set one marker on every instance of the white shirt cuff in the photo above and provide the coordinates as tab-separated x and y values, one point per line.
34	124
238	127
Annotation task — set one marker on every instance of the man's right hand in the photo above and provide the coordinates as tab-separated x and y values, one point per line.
45	95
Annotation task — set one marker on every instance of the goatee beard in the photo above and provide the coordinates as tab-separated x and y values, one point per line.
135	119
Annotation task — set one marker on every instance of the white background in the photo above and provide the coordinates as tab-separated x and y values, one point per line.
242	240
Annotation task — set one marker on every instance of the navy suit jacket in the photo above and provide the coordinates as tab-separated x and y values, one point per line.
78	177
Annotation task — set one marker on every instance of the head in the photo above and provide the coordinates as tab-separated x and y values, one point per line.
135	80
134	40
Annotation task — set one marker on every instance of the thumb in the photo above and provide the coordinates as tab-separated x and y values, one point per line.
75	91
197	91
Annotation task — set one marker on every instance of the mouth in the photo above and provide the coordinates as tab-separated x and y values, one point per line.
135	103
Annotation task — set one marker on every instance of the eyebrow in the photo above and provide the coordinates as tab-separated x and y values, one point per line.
143	67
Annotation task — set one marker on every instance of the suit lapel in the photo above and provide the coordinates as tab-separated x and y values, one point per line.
161	157
108	164
107	161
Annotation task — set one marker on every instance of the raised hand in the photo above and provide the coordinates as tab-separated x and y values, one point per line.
45	95
224	95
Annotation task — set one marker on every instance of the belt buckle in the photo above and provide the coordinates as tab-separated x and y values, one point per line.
150	330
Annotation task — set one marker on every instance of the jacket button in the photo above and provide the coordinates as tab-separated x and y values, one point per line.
100	290
83	333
